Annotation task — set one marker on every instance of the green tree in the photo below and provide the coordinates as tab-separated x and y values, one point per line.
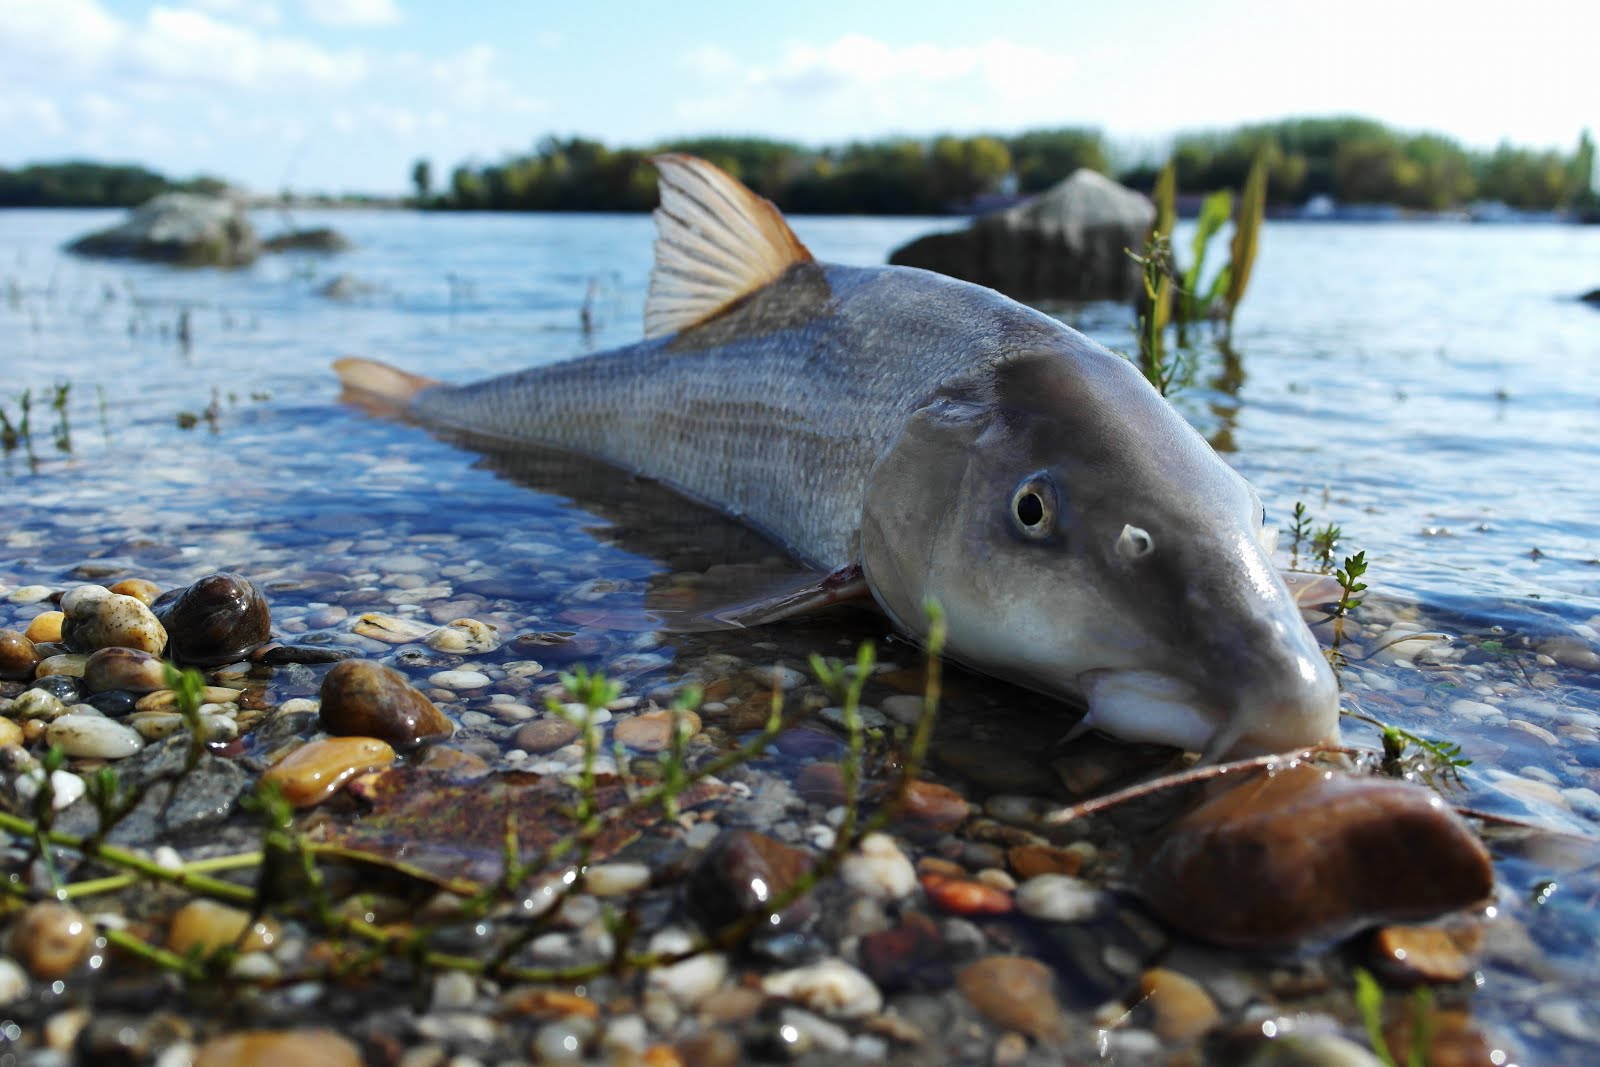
422	179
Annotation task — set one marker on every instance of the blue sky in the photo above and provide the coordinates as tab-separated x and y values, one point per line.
343	95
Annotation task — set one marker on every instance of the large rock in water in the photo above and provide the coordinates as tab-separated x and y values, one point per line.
1068	243
185	228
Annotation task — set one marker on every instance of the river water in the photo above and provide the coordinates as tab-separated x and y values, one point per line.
1430	388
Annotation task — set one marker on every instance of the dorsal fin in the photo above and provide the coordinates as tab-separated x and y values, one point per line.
716	241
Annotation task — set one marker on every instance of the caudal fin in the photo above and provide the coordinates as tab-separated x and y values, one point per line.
378	388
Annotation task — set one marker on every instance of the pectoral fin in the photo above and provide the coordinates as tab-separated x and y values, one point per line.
814	594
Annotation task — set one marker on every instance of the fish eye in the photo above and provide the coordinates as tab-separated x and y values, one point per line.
1033	507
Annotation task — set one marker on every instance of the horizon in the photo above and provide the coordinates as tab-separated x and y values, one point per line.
343	96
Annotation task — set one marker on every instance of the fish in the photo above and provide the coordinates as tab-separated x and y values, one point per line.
910	437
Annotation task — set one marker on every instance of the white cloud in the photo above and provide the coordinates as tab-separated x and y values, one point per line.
862	84
353	12
189	46
254	12
470	80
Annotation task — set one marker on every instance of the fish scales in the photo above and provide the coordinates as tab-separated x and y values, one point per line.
775	411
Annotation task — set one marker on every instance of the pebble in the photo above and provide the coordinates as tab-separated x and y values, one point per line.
1059	898
558	1042
1015	993
902	708
870	718
10	733
805	1032
50	940
965	896
391	629
1029	861
545	735
37	704
127	669
740	872
68	664
652	731
1414	954
615	879
98	618
80	734
913	955
1182	1008
362	698
139	588
275	1048
830	987
454	991
459	680
45	628
688	981
1286	858
13	982
65	787
776	675
30	594
217	619
933	805
205	926
315	771
878	869
467	637
18	656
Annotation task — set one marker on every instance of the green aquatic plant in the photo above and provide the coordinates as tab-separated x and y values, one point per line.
1323	542
1369	1002
1300	532
1349	579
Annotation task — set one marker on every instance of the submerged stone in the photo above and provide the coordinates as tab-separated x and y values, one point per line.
313	773
127	669
367	699
18	656
740	873
1304	855
1016	993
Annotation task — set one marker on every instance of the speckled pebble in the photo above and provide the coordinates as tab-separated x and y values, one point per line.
81	735
459	680
391	629
467	637
1058	898
878	869
98	618
830	987
68	664
37	704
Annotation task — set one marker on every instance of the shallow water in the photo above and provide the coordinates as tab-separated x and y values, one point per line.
1431	388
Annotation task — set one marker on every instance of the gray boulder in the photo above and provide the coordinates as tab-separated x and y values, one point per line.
1068	243
186	228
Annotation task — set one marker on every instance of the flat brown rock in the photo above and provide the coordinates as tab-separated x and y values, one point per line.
1302	855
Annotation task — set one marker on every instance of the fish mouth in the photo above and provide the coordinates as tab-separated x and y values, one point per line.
1138	705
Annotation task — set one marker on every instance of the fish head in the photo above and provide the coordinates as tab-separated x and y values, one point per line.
1085	542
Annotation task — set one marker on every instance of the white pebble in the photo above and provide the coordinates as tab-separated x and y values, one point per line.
689	981
811	1032
616	879
93	735
1058	898
453	991
459	679
13	982
830	987
67	787
785	678
30	594
879	869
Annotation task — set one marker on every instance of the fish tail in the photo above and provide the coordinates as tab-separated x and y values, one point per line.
378	388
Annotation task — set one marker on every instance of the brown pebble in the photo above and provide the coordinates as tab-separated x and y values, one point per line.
275	1048
652	731
912	955
545	735
1287	858
937	806
966	896
1182	1008
206	926
45	627
661	1056
50	940
18	656
710	1048
1015	993
1027	861
366	699
549	1004
821	783
98	618
453	761
314	772
740	872
1454	1039
10	733
731	1005
138	588
1414	954
218	618
124	668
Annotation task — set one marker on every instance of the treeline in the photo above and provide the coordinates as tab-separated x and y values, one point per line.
1352	160
900	176
82	184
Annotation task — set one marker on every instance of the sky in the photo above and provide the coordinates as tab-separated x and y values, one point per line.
344	95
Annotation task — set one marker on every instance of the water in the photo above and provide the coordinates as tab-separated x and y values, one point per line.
1430	388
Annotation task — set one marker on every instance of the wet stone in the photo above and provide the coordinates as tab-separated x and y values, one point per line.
829	987
739	872
459	680
215	620
10	733
545	735
98	618
652	731
1414	954
139	588
45	627
126	669
366	699
934	805
1015	993
83	735
965	896
313	773
911	956
391	629
274	1048
67	665
205	926
879	870
50	940
172	796
1181	1008
1059	898
1027	861
467	637
18	656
